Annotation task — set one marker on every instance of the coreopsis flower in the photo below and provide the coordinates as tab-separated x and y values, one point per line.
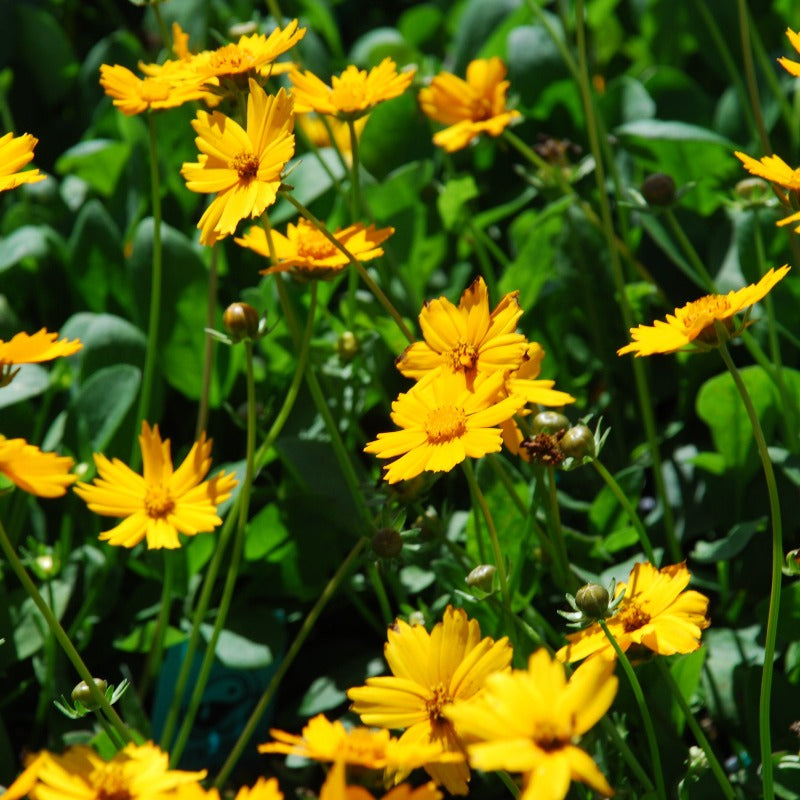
529	721
161	502
331	133
430	672
15	153
352	94
138	772
262	789
242	166
335	788
467	338
134	95
306	251
655	613
444	420
777	171
469	107
33	348
693	323
34	471
792	67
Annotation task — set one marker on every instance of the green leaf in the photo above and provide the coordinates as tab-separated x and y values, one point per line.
420	23
710	462
453	200
141	639
322	695
474	26
31	381
534	61
99	162
28	243
687	671
734	542
379	43
265	532
671	130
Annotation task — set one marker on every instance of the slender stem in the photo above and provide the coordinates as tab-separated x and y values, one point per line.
299	640
655	755
61	637
380	593
699	274
750	76
765	735
498	470
208	346
557	532
627	754
509	782
275	11
697	731
153	661
166	39
109	730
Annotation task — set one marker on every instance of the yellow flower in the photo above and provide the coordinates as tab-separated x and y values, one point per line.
306	251
35	348
335	788
139	772
528	721
431	671
320	135
792	67
352	94
242	166
468	338
15	153
133	95
160	503
772	168
42	474
655	613
262	789
694	322
443	422
471	107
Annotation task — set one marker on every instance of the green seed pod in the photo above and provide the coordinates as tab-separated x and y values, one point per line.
658	189
347	346
241	321
578	442
592	599
549	422
481	577
82	694
387	543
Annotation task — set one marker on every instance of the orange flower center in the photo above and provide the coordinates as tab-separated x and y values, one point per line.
445	423
700	315
436	702
632	617
313	245
463	356
158	502
549	737
110	783
482	109
231	58
363	747
153	90
246	165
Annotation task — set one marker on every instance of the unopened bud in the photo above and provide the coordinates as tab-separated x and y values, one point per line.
347	346
83	694
658	189
481	577
241	321
578	442
593	599
387	543
549	422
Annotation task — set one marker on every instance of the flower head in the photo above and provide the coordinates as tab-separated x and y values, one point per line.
772	168
528	721
352	94
467	339
34	348
443	422
307	252
431	671
242	166
262	789
469	107
15	153
335	788
694	322
655	613
160	503
133	95
792	67
36	472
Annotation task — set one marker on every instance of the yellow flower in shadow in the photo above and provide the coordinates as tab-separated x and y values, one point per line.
33	471
15	153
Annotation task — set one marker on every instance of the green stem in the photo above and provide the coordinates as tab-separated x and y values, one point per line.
355	210
655	755
208	346
699	274
153	661
380	593
299	640
498	470
697	731
509	783
60	634
627	754
750	76
275	11
765	735
109	731
556	531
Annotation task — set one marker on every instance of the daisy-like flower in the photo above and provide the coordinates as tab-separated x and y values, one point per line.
242	166
792	67
160	503
656	613
468	338
352	94
36	472
262	789
529	720
694	322
34	348
335	788
15	153
133	95
430	672
444	421
471	107
305	251
138	772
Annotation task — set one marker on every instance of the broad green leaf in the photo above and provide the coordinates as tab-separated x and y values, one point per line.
379	43
99	162
30	243
420	23
474	26
141	638
533	60
671	130
734	542
31	381
265	532
686	671
454	198
322	695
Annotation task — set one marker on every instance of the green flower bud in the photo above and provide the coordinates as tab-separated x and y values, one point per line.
752	189
241	321
347	346
549	422
593	599
658	189
578	442
481	577
387	543
83	695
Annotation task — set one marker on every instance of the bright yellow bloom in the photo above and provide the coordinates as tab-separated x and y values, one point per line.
133	95
430	672
335	788
352	94
792	67
471	107
160	503
772	168
242	166
15	153
528	721
262	789
320	135
304	250
444	421
656	613
139	772
468	338
36	472
694	322
35	348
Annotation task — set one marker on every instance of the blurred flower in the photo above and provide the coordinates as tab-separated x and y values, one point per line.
133	95
160	503
467	339
352	94
792	67
335	788
431	671
33	348
529	720
138	772
242	166
305	250
471	107
655	613
319	132
694	322
262	789
15	153
42	474
444	421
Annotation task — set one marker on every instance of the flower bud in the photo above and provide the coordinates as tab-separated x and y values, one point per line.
578	442
416	618
592	599
387	543
481	577
752	189
241	321
658	189
549	422
347	346
83	695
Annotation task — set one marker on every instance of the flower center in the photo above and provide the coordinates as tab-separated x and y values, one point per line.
313	245
445	423
110	783
363	746
350	91
158	502
232	58
246	165
463	356
153	90
632	617
549	737
702	313
436	702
